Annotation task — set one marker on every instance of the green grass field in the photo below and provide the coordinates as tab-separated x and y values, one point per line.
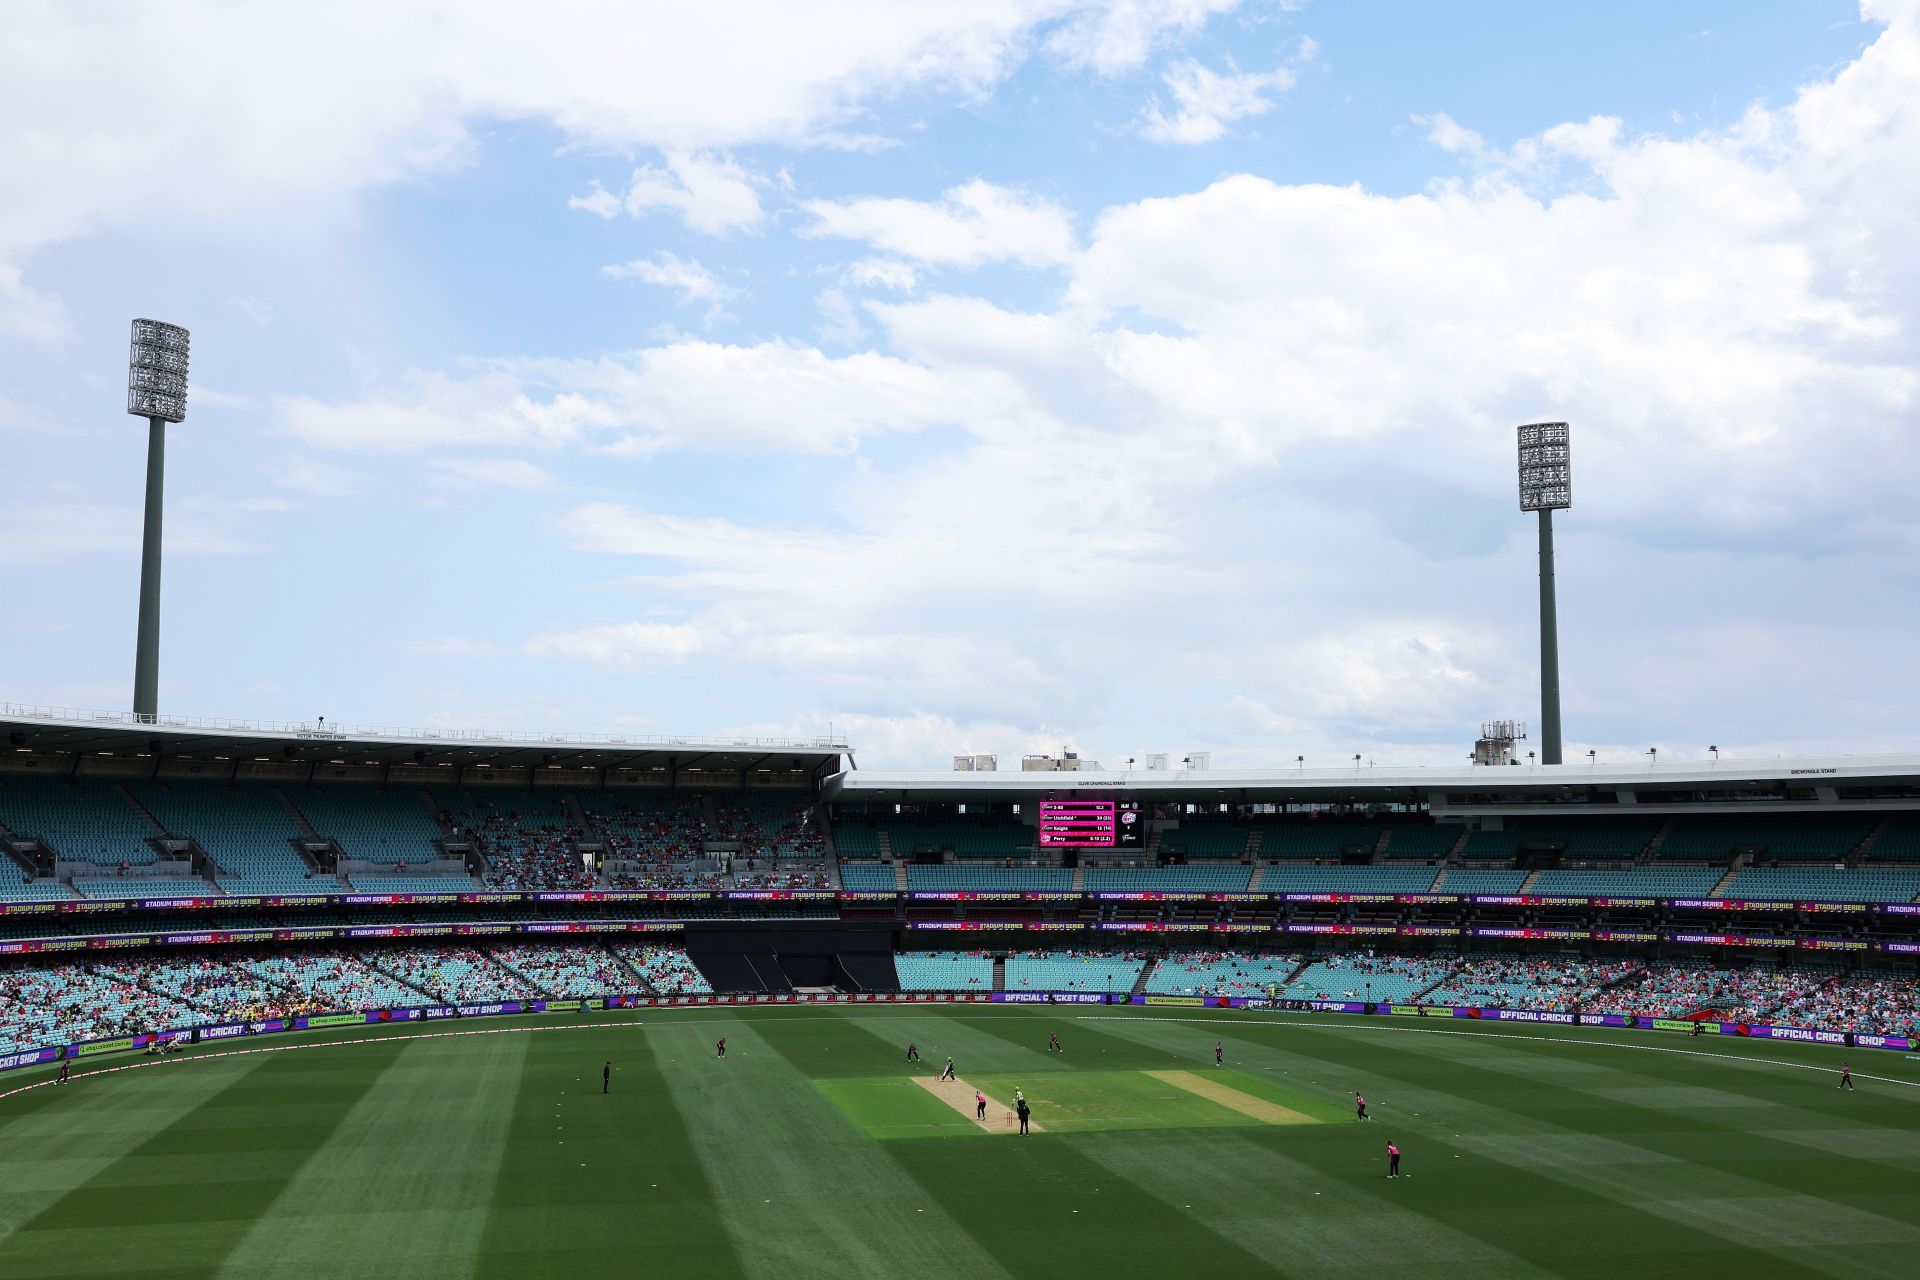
813	1151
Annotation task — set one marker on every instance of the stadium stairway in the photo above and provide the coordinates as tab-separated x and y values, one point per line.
1733	869
899	870
1652	851
372	962
1253	846
1439	880
1259	868
1079	878
1860	851
1000	972
1140	983
307	829
159	828
1533	878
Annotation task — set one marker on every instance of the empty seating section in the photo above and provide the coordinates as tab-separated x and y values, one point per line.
968	837
1315	839
1072	971
1529	982
1216	973
563	971
1472	882
1817	884
856	839
83	821
1632	882
950	877
867	877
1203	838
378	826
665	970
243	828
1176	879
1898	841
944	971
1374	879
1366	976
1420	843
769	824
1795	837
1608	839
143	887
15	886
442	882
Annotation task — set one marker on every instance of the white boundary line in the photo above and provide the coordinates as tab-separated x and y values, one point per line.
641	1022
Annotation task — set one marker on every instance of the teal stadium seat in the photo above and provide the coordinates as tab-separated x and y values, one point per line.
83	821
867	877
1175	879
243	828
944	971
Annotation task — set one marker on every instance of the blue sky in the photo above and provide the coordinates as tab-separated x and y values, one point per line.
1133	376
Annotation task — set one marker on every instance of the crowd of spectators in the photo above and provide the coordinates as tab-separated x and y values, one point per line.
1557	983
1880	1004
1677	989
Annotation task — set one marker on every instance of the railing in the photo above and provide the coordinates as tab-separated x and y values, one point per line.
324	731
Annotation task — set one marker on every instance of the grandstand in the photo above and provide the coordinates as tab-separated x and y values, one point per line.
944	971
245	829
1220	973
385	827
1073	971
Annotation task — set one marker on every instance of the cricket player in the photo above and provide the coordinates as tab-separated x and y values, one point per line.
913	1052
979	1105
1846	1078
946	1072
720	1047
1360	1102
1025	1113
1219	1054
1393	1161
1053	1043
606	1078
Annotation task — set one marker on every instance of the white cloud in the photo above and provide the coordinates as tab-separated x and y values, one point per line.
685	276
770	398
885	273
494	473
1120	36
710	193
1205	102
970	225
619	643
840	325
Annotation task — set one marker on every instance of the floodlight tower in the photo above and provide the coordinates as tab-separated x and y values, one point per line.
1546	485
156	391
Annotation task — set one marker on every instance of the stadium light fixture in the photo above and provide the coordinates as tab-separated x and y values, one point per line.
156	391
1546	486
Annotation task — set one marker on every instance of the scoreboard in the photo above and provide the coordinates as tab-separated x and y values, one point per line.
1091	824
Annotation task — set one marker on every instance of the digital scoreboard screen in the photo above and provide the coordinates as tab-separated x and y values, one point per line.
1091	824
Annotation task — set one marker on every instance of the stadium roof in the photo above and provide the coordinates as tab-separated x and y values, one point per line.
67	730
1824	778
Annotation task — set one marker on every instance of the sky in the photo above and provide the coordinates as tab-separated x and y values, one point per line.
1123	376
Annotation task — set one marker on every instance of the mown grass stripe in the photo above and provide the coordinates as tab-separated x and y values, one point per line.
404	1182
624	1193
802	1190
176	1204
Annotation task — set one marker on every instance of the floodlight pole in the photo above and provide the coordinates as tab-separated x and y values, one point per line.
156	391
146	653
1546	483
1549	647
